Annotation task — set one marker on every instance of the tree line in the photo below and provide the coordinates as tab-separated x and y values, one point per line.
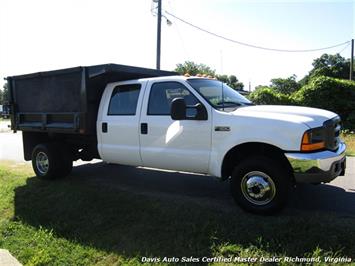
328	65
194	69
334	66
326	86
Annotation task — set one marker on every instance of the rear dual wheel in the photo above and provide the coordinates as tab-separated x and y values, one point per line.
51	160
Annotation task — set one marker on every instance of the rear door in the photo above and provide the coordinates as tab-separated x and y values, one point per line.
118	126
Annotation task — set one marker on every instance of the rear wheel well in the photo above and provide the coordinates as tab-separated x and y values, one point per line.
245	150
77	146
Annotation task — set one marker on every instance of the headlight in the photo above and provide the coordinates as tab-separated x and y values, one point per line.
313	139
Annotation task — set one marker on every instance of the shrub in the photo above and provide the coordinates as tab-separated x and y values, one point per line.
328	93
332	94
267	95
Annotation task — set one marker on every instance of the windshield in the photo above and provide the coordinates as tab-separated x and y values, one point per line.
219	98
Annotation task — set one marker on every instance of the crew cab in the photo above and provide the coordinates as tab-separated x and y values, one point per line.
143	117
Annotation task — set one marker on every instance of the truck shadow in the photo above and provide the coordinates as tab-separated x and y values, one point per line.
139	212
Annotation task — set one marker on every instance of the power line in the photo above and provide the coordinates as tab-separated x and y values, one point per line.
344	48
252	45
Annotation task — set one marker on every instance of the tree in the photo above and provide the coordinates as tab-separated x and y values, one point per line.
260	87
231	81
4	94
328	65
235	83
285	86
193	69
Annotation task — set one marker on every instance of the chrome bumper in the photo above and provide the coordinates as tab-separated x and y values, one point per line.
318	167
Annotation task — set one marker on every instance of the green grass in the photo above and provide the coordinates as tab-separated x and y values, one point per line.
78	222
350	143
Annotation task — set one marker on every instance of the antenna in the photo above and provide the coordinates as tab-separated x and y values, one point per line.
221	57
222	95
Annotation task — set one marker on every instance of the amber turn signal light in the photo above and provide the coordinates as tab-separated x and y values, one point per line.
308	145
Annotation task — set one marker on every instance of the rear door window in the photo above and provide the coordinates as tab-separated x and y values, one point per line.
124	100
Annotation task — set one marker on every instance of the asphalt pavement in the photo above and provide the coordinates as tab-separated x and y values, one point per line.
337	196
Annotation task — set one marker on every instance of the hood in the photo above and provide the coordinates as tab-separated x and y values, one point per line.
312	117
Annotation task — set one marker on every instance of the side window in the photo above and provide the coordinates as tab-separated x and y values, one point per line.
162	94
124	100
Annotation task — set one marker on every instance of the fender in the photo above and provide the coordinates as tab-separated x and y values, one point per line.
277	131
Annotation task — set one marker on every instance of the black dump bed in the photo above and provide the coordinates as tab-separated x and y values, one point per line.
66	100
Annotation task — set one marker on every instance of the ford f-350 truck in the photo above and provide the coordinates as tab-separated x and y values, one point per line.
143	117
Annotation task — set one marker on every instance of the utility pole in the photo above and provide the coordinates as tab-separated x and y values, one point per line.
352	60
159	34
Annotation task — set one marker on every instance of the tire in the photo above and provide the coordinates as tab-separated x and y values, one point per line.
260	185
51	161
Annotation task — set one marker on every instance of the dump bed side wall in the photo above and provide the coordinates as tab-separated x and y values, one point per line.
48	94
51	102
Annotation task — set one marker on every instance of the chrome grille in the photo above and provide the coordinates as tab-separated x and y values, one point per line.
332	128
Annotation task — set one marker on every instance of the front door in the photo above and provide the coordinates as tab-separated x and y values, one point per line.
182	145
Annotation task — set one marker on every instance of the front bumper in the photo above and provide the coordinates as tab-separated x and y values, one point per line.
318	167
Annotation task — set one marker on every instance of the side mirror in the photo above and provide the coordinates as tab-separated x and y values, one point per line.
178	109
201	112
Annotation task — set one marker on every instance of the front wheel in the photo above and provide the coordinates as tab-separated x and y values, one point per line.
260	185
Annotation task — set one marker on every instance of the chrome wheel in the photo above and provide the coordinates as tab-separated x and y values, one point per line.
258	188
42	163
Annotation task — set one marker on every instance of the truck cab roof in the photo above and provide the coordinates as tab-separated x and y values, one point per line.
162	79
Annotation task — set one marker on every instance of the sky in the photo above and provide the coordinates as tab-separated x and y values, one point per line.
41	35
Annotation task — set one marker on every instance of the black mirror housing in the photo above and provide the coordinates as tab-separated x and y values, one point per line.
201	112
178	109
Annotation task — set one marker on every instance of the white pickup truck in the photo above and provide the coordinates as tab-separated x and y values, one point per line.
166	121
